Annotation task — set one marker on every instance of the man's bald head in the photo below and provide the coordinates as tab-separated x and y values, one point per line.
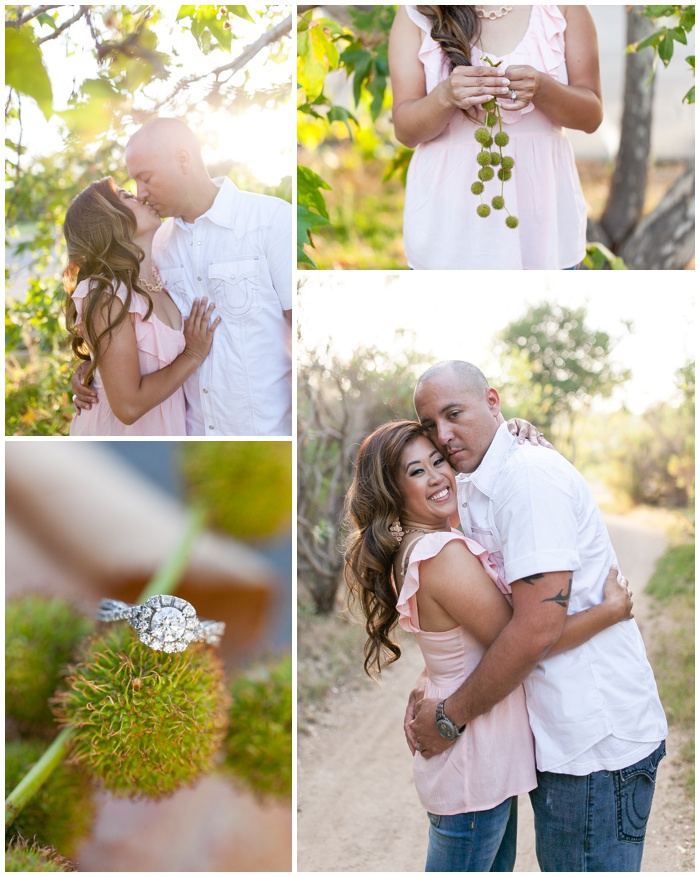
164	158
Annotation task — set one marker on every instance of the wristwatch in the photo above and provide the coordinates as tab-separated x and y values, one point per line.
446	727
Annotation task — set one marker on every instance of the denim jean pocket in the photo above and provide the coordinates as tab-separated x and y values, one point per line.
634	791
434	820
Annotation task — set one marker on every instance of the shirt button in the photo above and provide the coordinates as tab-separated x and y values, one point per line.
199	243
464	505
210	426
199	278
205	390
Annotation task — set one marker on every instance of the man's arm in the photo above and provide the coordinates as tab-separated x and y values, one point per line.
540	603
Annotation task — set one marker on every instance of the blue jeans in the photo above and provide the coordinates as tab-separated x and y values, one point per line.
595	822
481	841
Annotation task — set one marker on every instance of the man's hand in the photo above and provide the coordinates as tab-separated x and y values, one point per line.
83	396
424	730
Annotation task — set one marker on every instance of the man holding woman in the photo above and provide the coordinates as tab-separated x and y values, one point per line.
594	710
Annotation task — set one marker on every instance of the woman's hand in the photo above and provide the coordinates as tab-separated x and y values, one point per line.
199	334
524	430
525	82
617	597
83	396
471	86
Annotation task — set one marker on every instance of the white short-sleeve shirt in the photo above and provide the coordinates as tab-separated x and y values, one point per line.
239	255
595	707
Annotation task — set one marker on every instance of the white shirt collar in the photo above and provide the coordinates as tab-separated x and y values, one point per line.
221	211
485	475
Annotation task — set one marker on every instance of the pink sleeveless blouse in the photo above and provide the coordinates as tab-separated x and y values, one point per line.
494	758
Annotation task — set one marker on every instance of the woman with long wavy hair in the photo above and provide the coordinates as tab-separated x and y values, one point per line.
404	564
122	320
471	202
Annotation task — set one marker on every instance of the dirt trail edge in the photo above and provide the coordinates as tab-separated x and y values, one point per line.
358	810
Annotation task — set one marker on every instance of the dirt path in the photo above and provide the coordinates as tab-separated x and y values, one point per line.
357	807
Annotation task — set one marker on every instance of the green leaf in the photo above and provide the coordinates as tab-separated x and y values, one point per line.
309	195
678	34
306	223
687	20
340	114
689	98
666	48
317	54
24	68
652	40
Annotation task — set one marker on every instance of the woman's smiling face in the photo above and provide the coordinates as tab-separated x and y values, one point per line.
427	485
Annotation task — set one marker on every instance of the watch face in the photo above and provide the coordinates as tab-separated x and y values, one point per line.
446	729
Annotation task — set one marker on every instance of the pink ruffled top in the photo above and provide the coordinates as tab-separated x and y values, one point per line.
441	226
158	344
494	758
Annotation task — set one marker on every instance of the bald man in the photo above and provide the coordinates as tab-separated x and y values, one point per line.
595	713
234	248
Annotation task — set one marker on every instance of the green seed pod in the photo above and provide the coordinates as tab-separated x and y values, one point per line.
477	188
502	139
258	746
483	210
490	120
490	104
497	202
512	221
485	174
504	175
41	635
507	162
61	811
483	158
145	722
23	856
481	135
258	474
495	158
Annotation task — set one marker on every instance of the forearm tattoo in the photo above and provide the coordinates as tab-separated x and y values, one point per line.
561	598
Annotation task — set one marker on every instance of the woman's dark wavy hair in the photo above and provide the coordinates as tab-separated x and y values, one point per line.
372	504
99	232
455	29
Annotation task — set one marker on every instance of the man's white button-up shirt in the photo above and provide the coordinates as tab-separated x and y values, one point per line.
239	255
594	707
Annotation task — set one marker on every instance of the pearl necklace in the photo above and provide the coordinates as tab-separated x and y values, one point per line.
493	14
152	287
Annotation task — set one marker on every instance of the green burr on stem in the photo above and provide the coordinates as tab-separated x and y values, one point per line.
164	581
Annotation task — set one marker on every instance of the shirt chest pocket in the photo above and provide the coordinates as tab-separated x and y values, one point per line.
235	284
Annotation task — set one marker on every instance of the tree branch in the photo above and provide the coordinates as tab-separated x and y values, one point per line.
65	25
276	33
18	22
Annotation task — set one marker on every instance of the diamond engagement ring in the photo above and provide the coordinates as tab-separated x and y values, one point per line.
164	623
513	94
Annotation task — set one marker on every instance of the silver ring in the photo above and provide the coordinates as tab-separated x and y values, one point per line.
513	94
163	623
74	398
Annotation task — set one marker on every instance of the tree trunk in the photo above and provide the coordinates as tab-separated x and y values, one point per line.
666	238
626	199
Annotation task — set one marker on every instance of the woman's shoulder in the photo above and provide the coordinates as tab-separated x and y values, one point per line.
415	17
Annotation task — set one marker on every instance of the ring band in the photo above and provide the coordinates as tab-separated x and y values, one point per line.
163	623
74	398
513	94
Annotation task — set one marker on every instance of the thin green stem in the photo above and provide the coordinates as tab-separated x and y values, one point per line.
30	784
164	581
167	577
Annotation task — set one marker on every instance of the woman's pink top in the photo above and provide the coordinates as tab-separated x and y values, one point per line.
158	344
494	758
441	226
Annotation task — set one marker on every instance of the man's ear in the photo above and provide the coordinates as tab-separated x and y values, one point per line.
182	157
494	401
